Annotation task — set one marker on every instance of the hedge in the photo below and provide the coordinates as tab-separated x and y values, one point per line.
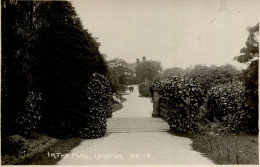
29	120
144	90
228	104
185	98
99	98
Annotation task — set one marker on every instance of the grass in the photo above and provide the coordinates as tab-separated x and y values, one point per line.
116	107
63	146
228	149
39	145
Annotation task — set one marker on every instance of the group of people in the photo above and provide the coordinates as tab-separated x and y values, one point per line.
131	88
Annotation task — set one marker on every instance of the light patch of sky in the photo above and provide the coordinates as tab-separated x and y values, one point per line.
176	33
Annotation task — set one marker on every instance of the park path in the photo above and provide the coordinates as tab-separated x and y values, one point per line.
135	138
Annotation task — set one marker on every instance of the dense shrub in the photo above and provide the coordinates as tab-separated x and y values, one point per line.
99	98
144	90
185	98
228	104
14	144
132	80
214	75
123	88
115	86
29	120
56	58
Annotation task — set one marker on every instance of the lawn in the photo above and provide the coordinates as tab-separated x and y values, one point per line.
37	148
228	149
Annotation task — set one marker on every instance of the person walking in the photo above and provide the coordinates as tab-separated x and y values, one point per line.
130	89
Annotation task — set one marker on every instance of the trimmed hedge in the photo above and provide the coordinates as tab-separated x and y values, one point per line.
144	90
185	98
228	104
99	98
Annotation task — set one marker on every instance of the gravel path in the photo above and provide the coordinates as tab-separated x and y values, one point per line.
135	138
135	106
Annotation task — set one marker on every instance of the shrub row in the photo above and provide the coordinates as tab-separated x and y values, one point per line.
99	98
144	90
185	98
189	108
228	104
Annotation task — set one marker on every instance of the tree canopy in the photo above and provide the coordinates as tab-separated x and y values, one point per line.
250	56
46	50
147	70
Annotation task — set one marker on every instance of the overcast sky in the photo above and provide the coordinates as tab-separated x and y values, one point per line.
178	33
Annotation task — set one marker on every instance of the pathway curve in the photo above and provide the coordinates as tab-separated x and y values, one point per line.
135	106
135	138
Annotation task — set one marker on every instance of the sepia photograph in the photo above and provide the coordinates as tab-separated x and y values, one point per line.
129	82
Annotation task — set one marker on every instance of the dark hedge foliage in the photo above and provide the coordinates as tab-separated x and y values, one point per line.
185	98
13	145
228	104
29	120
144	90
99	98
48	61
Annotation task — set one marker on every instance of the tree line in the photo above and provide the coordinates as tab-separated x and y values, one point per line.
48	61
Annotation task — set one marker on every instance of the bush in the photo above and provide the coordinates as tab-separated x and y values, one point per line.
228	104
123	88
99	98
13	145
144	90
29	120
214	75
185	98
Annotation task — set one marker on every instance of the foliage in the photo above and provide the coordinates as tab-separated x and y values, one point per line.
250	55
115	85
118	66
67	56
227	103
251	51
117	62
99	98
132	80
176	71
148	70
18	35
46	50
29	120
144	90
123	88
185	98
250	79
14	144
214	75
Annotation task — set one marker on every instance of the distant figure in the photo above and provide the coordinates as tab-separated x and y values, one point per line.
132	88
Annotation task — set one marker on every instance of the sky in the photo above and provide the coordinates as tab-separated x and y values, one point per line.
178	33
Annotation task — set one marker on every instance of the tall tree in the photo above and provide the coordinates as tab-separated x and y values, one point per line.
147	70
67	56
18	36
250	56
46	49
